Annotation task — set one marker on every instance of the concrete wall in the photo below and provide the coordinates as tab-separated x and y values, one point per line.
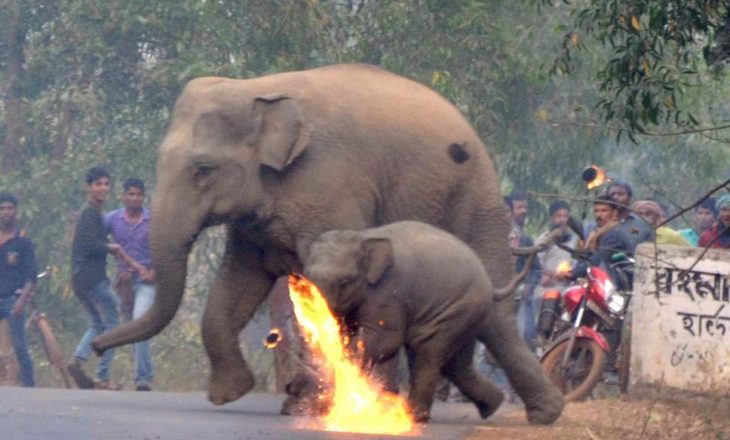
681	319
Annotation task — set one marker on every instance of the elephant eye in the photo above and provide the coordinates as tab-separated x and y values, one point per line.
203	170
346	281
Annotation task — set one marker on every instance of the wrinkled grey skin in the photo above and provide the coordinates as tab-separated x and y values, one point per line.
411	284
281	159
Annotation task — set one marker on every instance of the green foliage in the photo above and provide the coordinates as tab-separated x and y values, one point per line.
658	53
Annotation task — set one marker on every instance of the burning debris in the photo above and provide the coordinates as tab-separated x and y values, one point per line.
594	176
358	403
273	338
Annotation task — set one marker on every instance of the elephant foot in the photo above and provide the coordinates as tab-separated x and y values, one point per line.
546	408
487	408
305	406
420	414
307	396
229	386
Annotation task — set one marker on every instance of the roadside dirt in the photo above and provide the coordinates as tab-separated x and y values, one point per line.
633	418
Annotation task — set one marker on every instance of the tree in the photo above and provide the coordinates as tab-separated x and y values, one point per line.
659	52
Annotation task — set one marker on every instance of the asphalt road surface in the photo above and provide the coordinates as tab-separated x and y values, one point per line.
57	414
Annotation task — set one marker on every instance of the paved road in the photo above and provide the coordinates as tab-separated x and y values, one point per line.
55	414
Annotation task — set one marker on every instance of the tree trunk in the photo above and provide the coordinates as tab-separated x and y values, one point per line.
65	128
14	37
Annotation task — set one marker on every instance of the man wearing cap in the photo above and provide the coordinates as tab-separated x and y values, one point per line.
605	244
634	226
17	282
704	218
718	236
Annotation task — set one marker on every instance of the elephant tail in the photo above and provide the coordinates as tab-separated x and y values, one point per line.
508	290
531	253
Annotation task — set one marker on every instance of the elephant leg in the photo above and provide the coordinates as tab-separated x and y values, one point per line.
241	286
380	358
543	400
380	347
307	395
383	335
385	372
427	363
476	387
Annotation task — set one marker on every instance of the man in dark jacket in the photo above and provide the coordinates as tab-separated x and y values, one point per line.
17	282
604	244
636	228
90	282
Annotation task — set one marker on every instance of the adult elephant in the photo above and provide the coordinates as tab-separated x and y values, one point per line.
283	158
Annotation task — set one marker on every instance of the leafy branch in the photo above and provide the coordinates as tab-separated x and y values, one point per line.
657	51
645	133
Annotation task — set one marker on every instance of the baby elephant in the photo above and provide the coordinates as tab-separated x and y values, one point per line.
410	284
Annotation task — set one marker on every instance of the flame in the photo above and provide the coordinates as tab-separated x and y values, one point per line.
563	267
600	178
359	404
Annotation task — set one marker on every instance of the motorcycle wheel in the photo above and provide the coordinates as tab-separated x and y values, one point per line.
585	368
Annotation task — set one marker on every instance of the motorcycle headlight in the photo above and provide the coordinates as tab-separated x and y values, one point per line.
616	302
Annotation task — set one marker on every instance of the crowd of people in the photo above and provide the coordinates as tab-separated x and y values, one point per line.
123	233
619	224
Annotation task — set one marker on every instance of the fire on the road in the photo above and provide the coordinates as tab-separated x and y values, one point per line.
359	404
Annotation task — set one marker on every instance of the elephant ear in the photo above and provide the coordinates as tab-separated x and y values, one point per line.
378	257
282	133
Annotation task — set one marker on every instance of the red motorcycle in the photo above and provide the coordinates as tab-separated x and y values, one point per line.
585	331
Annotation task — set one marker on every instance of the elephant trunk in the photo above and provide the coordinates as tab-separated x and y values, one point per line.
170	272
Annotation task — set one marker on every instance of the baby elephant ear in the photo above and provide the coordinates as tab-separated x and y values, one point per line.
378	258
